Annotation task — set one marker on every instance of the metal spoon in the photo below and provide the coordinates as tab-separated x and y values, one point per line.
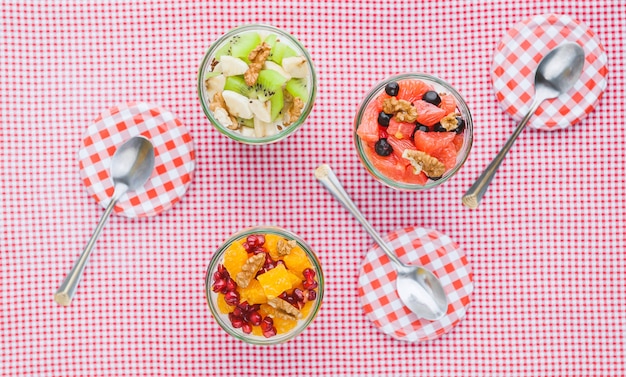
557	72
131	166
419	289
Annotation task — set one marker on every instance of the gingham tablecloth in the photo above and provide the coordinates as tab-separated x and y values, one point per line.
547	246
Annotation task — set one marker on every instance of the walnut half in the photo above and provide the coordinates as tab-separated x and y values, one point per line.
249	269
421	161
257	57
284	310
403	110
284	247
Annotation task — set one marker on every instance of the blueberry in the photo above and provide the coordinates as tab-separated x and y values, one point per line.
435	178
392	88
383	148
432	97
440	128
419	127
384	118
460	125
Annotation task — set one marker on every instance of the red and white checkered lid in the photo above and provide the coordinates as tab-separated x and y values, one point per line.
436	252
173	166
517	57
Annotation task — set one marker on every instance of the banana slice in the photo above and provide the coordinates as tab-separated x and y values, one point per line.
296	66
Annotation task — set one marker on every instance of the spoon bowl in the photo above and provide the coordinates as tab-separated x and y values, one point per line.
556	73
131	166
419	289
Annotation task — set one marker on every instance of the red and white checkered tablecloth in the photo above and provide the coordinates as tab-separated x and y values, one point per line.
547	246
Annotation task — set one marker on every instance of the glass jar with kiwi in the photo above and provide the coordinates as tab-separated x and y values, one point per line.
257	84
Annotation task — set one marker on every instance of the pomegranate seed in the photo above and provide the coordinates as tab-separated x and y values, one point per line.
245	307
298	294
312	295
237	312
260	239
223	271
255	318
278	263
218	285
217	275
232	298
382	134
308	273
246	328
269	333
246	246
267	323
237	322
251	239
309	284
230	285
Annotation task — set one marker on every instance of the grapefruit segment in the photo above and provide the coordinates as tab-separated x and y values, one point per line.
400	130
412	90
447	155
388	166
368	128
448	103
427	113
400	146
431	142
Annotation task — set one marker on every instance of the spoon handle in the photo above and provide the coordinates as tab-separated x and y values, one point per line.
65	293
329	180
474	195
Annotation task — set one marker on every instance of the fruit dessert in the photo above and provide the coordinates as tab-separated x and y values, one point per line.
266	285
411	133
258	84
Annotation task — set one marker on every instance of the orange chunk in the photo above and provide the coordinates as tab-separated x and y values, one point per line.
306	309
284	325
222	306
253	293
297	261
235	257
271	245
257	330
277	281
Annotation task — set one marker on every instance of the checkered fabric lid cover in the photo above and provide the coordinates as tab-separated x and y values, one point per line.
517	57
174	158
417	246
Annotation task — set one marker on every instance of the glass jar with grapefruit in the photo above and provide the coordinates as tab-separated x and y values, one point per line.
413	131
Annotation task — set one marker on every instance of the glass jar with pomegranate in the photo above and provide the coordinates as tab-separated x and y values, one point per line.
264	285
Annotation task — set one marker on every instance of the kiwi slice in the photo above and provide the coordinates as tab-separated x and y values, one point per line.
246	122
238	84
271	40
242	44
210	74
224	50
280	51
276	104
297	88
268	84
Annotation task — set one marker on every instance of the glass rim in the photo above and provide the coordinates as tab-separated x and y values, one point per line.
287	131
467	141
210	296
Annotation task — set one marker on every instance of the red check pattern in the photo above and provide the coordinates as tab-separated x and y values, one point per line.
415	246
517	56
173	166
546	246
